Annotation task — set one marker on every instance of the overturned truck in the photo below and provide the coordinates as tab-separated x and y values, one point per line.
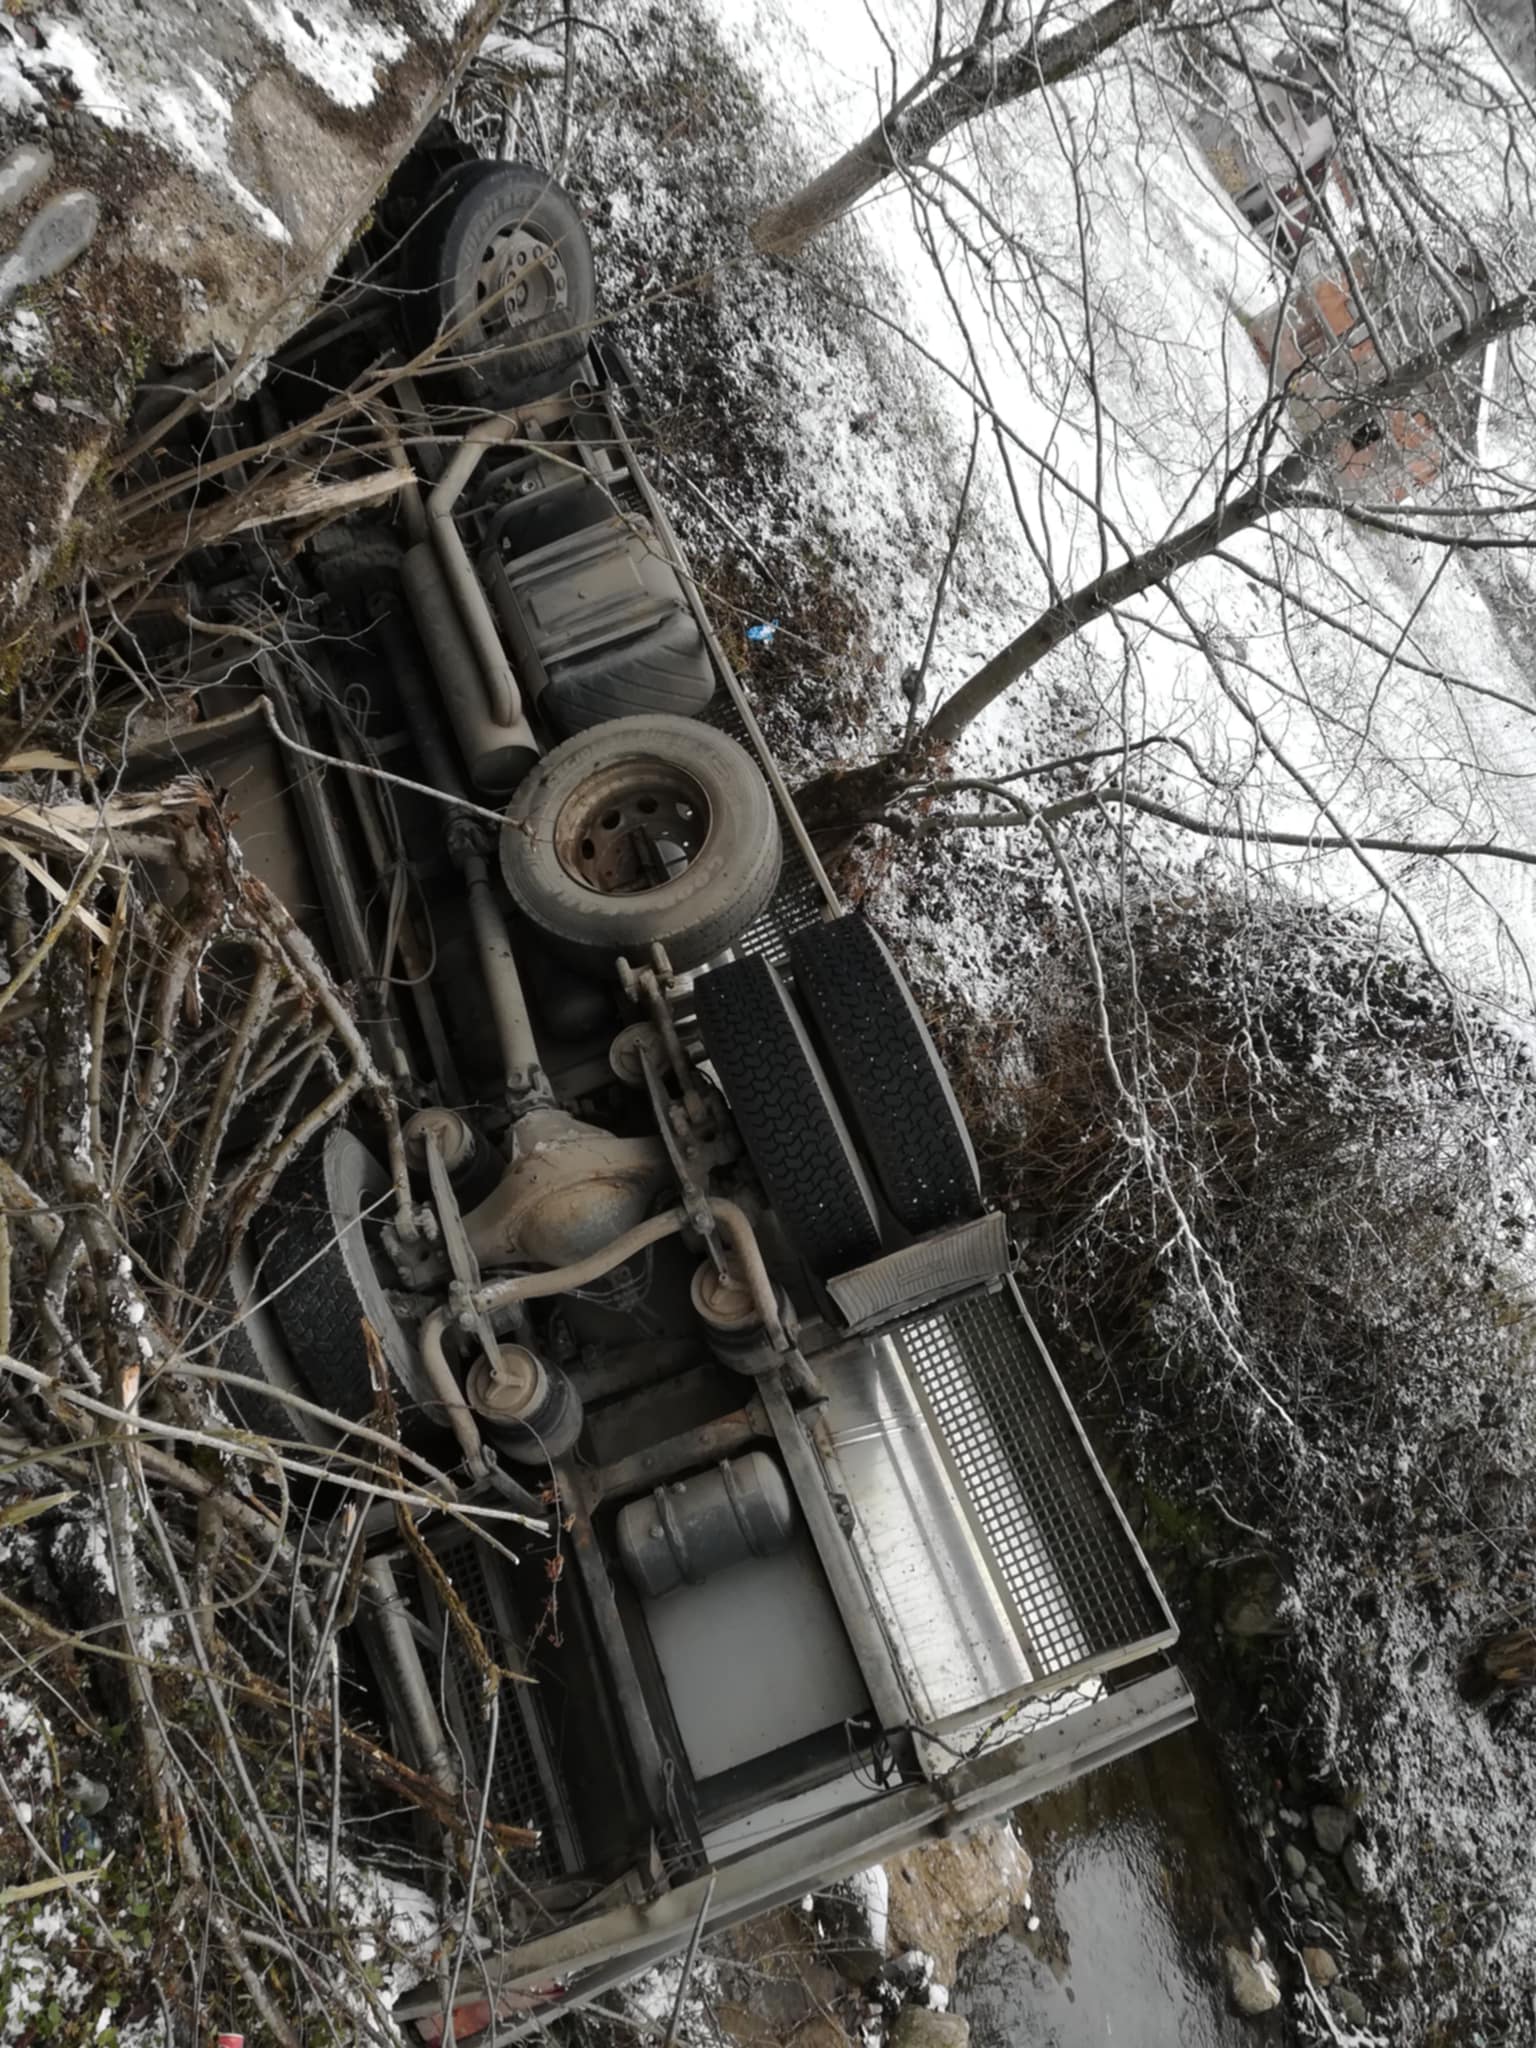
674	1257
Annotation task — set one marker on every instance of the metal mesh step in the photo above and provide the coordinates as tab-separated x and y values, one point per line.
1084	1597
799	899
522	1791
968	1256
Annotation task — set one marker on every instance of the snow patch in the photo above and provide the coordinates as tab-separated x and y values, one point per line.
871	1891
24	342
338	48
177	72
24	1746
396	1926
653	1996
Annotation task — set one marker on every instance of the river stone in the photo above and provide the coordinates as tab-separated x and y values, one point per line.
21	174
1360	1868
1320	1966
917	2027
1295	1863
1350	2004
1300	1898
946	1896
1332	1826
50	242
852	1917
1252	1984
1259	1602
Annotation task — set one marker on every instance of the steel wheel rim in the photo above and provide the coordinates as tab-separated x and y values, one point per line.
520	280
633	828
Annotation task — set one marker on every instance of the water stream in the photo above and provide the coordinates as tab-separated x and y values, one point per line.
1138	1881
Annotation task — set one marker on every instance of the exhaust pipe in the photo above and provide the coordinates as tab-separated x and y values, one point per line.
497	755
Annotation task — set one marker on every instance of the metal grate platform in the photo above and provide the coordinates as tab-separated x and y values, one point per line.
1083	1595
520	1793
799	899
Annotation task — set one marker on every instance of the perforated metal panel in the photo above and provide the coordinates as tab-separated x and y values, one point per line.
521	1791
1082	1593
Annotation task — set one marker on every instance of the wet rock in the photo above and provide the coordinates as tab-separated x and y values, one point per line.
853	1918
86	1795
1300	1898
1360	1868
946	1896
1320	1966
1258	1601
21	174
1332	1827
51	241
916	2027
1351	2006
1294	1861
1251	1982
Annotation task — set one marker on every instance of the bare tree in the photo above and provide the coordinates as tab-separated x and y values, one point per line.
994	66
1336	449
844	796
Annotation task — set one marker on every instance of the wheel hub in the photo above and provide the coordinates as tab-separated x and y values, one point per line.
520	279
633	829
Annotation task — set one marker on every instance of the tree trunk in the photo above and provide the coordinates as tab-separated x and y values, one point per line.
980	83
842	799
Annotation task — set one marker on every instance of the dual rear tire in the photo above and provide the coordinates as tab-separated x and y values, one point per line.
844	1067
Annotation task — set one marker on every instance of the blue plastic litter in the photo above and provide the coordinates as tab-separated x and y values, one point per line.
763	632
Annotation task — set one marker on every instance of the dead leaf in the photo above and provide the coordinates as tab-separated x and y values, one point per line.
26	1510
32	760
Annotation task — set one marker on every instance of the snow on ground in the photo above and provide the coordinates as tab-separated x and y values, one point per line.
23	342
24	1750
176	72
395	1927
652	1999
44	1942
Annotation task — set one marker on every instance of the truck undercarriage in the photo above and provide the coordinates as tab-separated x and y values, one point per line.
763	1538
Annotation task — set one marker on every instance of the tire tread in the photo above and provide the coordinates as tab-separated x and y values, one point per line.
783	1109
888	1071
313	1296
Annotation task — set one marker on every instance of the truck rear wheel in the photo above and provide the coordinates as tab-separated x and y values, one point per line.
639	831
322	1270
